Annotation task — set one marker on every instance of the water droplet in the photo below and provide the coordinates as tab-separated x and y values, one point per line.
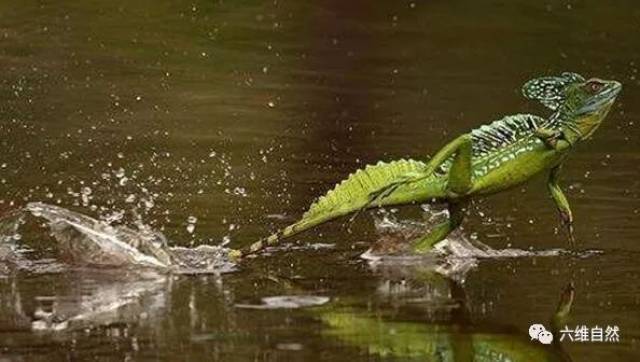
191	224
191	228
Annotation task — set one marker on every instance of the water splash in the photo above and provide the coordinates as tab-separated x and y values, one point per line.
9	236
111	299
287	302
85	241
203	259
453	257
457	244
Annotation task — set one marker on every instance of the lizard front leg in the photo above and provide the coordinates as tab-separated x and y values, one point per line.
561	202
553	139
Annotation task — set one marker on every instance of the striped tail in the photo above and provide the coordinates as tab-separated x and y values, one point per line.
354	194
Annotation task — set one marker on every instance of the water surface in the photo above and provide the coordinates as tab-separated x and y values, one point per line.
218	122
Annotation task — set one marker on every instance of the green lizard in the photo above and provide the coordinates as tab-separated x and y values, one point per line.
487	160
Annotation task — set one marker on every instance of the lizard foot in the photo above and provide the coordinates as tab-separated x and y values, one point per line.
567	222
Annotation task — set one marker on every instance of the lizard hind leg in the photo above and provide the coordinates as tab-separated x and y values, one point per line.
442	230
460	180
458	186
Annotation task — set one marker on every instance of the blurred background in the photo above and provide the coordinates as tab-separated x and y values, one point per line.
216	122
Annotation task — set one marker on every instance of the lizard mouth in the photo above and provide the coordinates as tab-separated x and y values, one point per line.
603	99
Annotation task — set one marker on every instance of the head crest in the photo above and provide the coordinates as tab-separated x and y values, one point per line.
550	90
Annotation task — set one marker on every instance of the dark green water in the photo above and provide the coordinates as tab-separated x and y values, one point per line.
238	113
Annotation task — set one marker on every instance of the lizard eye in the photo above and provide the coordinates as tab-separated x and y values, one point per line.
594	86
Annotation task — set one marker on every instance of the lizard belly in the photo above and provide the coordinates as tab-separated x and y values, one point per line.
514	171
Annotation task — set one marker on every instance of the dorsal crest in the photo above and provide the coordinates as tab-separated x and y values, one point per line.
550	91
508	130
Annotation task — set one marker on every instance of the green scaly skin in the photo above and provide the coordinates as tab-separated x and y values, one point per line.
487	160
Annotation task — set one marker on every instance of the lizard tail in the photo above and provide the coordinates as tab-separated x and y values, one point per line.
273	239
375	185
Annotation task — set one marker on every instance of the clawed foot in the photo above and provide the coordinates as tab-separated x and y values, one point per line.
572	239
567	222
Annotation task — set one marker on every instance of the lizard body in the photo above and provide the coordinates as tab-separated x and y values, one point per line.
487	160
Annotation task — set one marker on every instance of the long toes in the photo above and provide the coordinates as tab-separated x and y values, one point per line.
572	240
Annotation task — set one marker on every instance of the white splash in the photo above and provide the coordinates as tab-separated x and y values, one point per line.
453	257
287	302
85	241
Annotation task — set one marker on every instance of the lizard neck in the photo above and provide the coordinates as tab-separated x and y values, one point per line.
582	126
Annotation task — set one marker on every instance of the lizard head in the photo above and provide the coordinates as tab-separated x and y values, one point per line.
582	103
588	103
